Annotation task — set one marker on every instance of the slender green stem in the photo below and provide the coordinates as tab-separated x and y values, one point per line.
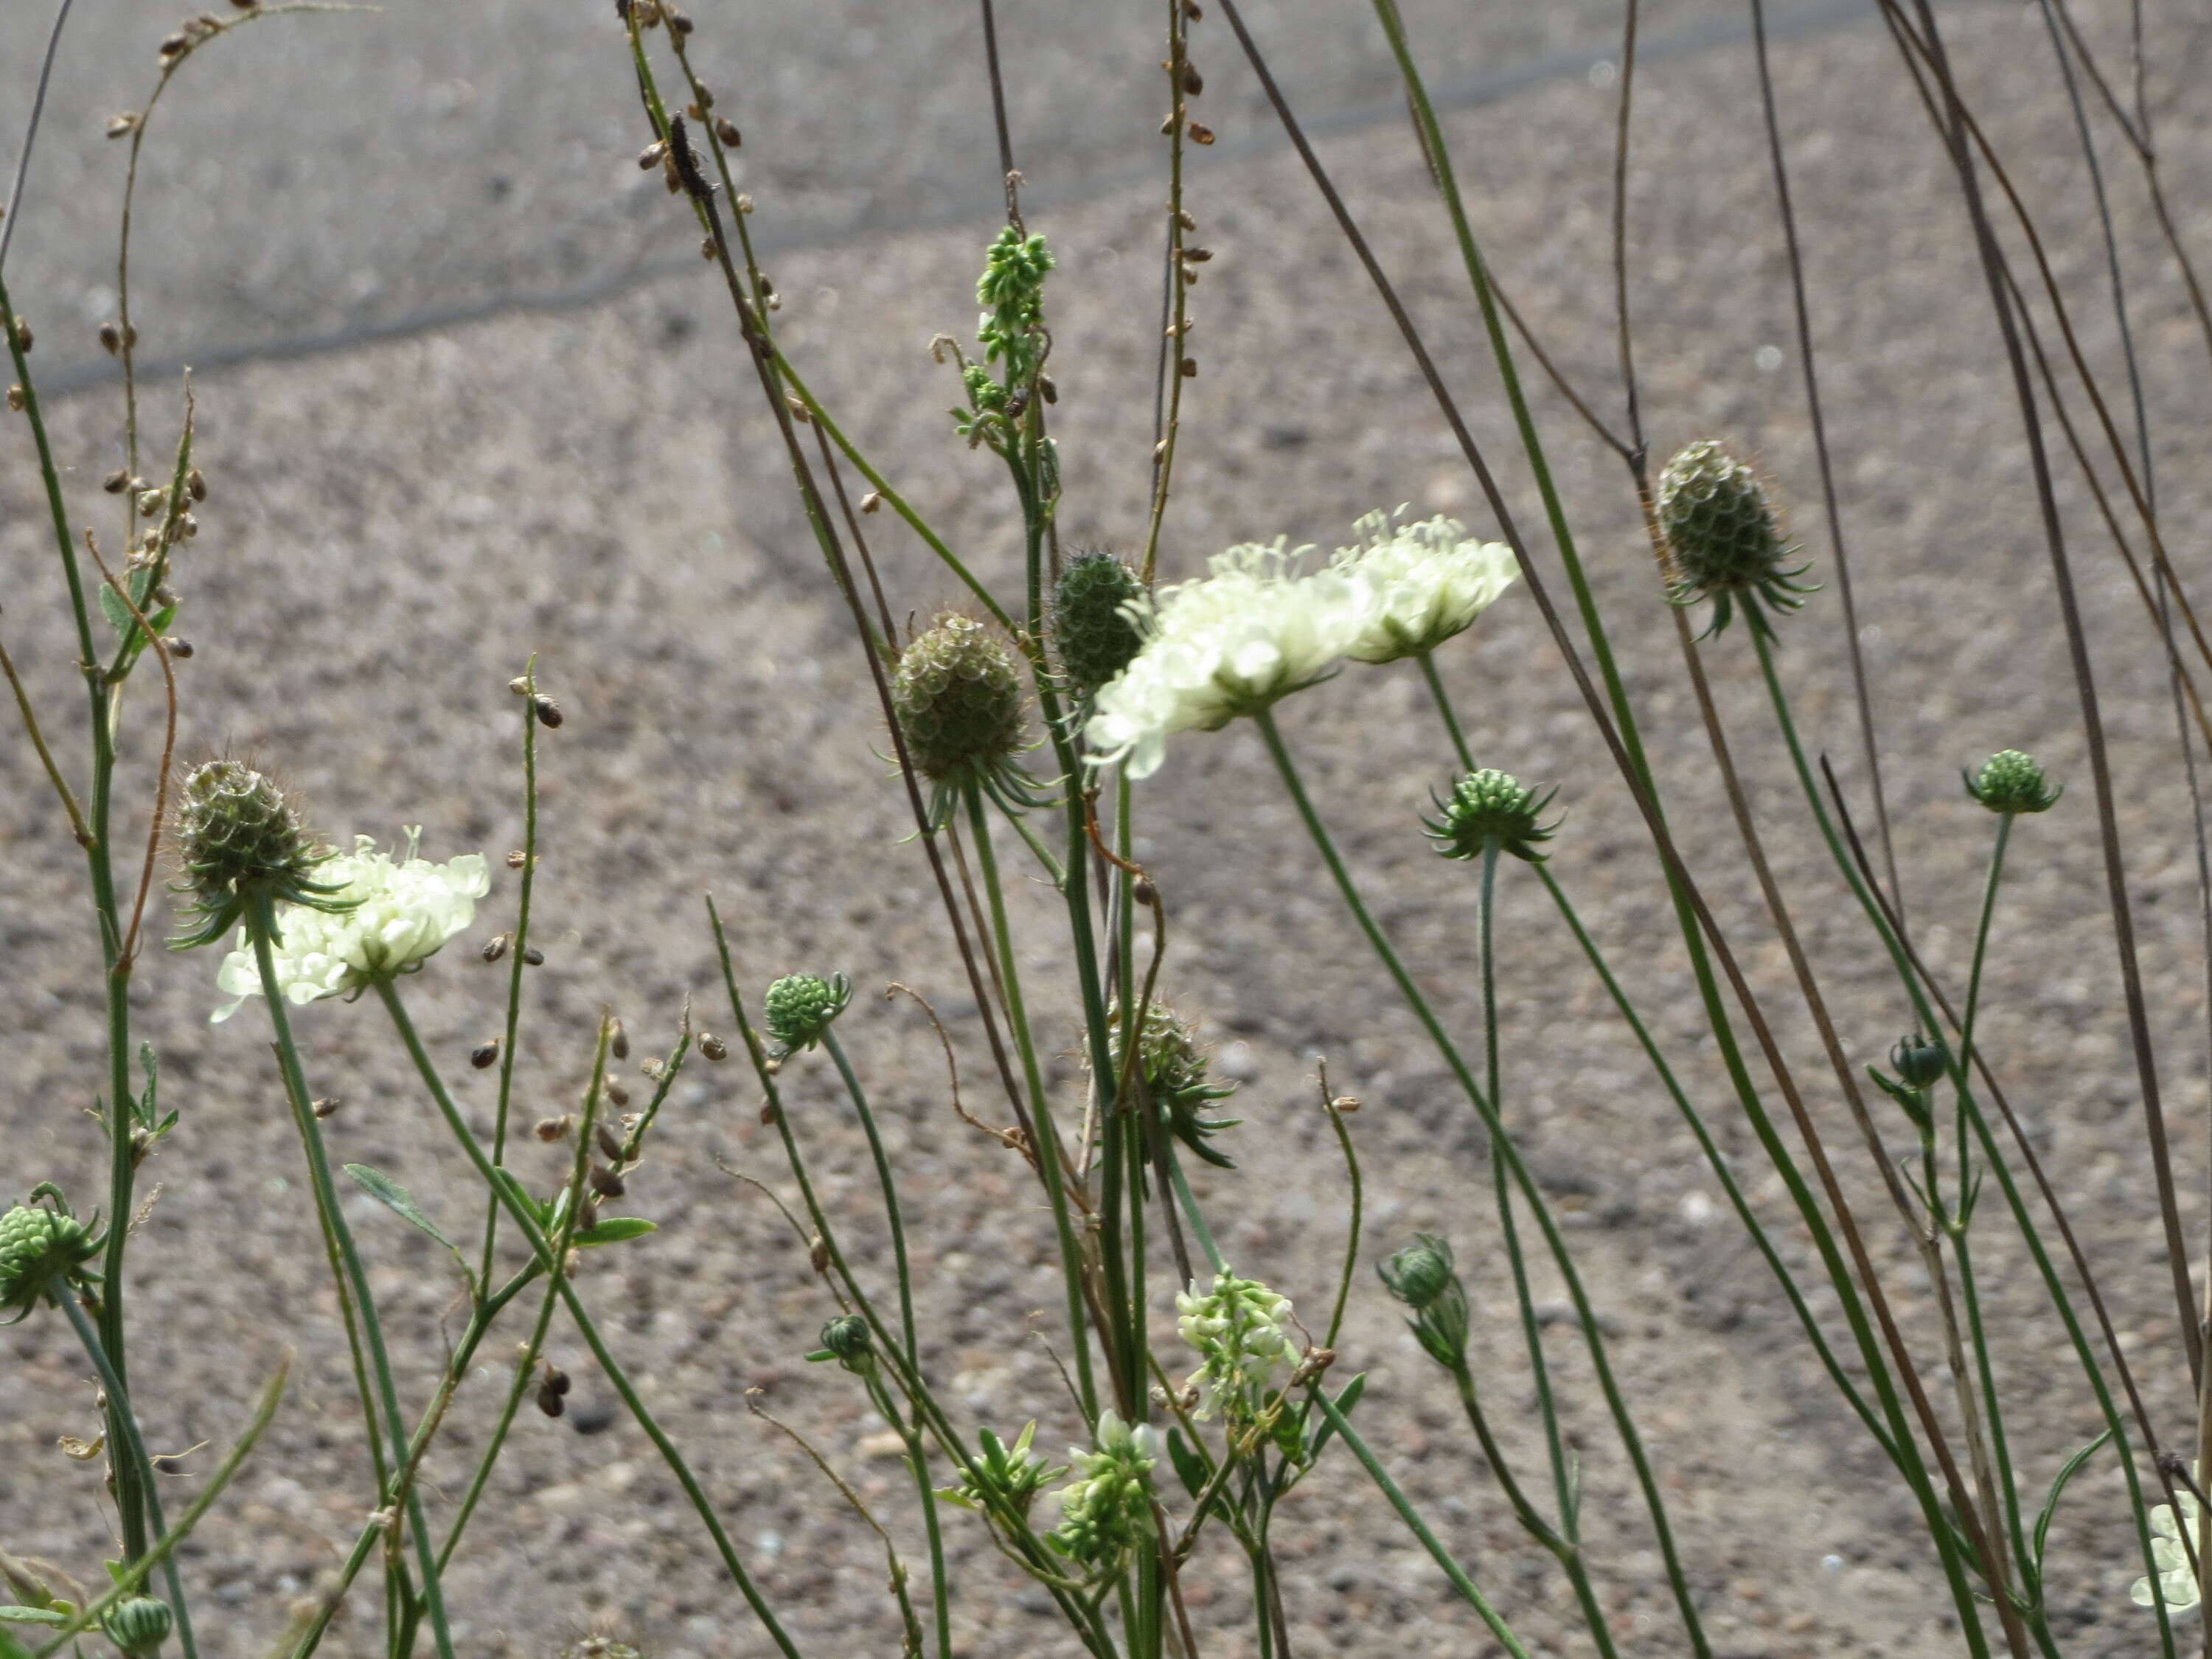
1452	1571
612	1368
1051	1161
261	928
481	1476
1501	1146
134	1452
1567	1551
1524	1301
939	1588
517	946
1428	661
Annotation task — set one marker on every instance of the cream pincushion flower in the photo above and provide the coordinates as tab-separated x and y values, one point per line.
1231	643
2176	1582
401	912
1422	583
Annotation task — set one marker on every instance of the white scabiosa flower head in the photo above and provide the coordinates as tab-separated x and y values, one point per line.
2177	1584
399	911
1232	642
1422	582
1237	1326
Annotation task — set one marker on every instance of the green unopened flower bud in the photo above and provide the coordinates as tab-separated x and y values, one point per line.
1488	805
37	1245
958	698
1422	1276
846	1341
1418	1274
1106	1510
1091	634
238	837
800	1007
138	1627
1723	544
1003	1476
2010	782
1920	1062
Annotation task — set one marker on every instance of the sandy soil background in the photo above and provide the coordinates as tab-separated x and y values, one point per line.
572	463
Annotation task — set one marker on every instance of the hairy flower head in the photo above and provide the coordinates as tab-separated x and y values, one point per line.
1422	583
397	913
1232	642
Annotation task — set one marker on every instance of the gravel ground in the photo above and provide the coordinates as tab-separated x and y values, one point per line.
394	528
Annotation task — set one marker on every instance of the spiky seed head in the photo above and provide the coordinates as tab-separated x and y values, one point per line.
1489	804
2010	782
37	1244
1722	543
799	1008
237	835
1092	635
1175	1075
958	698
1920	1062
138	1627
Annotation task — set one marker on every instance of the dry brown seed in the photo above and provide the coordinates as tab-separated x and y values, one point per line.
1193	81
1184	219
517	859
618	1095
606	1183
179	649
1190	368
706	247
727	131
618	1045
1050	387
1345	1104
549	1402
713	1047
328	1105
23	335
818	1252
174	44
151	501
610	1147
651	157
745	202
484	1054
495	947
1168	125
15	398
534	957
548	713
1200	133
520	685
114	482
680	22
196	484
188	526
118	126
705	95
550	1129
871	501
1198	256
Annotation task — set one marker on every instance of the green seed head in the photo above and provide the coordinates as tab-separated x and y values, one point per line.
237	836
138	1627
1723	544
846	1339
1175	1075
1092	635
958	697
2010	782
37	1244
1486	806
799	1008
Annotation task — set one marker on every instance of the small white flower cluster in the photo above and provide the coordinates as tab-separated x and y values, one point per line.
2177	1583
1257	628
1106	1510
402	911
1236	1328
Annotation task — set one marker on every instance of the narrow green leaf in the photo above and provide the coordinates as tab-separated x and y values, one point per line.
32	1616
1345	1402
614	1229
1186	1466
397	1199
2057	1487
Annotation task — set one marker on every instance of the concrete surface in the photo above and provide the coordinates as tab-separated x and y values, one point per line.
393	528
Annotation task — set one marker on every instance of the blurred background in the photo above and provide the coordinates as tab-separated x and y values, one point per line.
465	392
